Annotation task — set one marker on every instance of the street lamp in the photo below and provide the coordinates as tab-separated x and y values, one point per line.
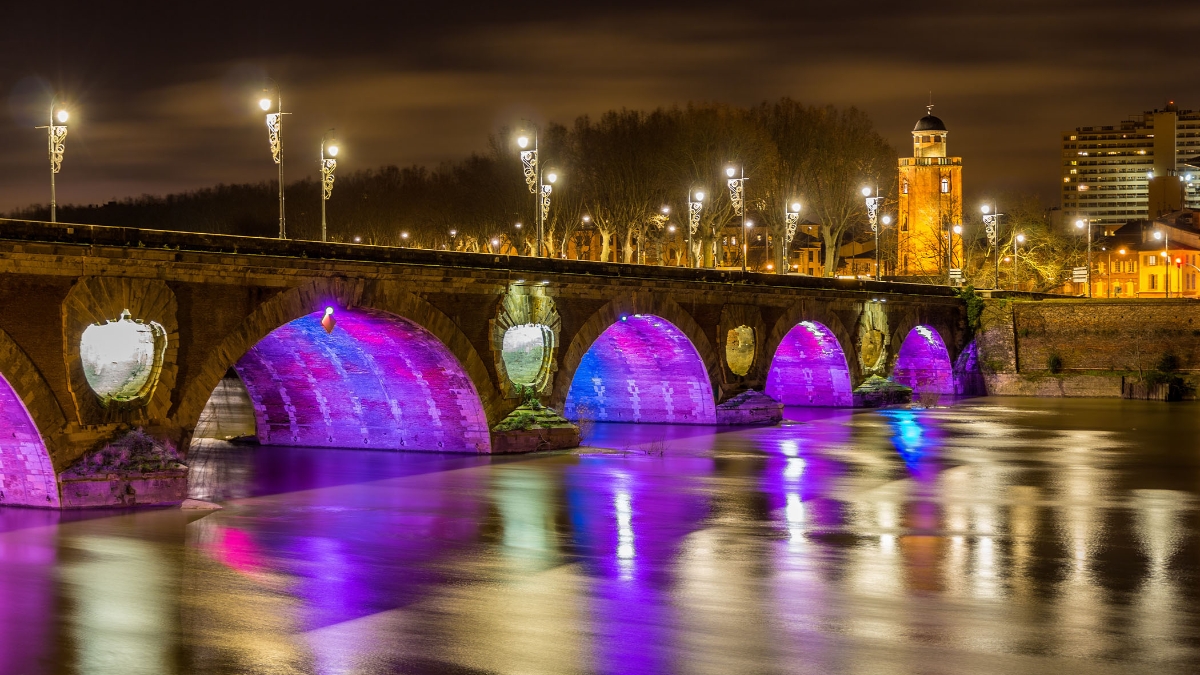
1160	234
1017	240
737	195
957	229
56	133
533	179
1080	224
328	164
873	204
791	219
275	138
695	203
990	221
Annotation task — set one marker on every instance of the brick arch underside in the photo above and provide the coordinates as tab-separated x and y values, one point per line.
642	369
810	369
377	381
27	476
923	362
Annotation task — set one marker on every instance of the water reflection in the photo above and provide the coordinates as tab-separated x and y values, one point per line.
991	536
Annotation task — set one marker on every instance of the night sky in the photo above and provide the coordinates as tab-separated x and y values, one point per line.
163	98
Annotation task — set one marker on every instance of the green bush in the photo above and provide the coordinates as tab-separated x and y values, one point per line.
1054	363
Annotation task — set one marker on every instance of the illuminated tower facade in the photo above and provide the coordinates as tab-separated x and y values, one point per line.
930	204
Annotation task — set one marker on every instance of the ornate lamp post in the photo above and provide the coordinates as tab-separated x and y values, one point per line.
275	138
1017	240
791	219
540	189
873	204
990	221
886	221
737	195
695	204
1082	223
56	132
328	164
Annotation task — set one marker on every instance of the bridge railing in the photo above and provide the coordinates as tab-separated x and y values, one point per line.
74	234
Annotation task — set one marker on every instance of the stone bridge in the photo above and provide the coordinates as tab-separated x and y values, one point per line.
104	331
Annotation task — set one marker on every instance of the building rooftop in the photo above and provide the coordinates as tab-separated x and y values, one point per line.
930	123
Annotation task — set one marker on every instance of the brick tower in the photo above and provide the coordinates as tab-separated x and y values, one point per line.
930	203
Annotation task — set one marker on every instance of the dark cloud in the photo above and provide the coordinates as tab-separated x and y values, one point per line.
163	94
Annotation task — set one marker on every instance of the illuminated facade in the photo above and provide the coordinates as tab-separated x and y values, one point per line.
1114	174
929	204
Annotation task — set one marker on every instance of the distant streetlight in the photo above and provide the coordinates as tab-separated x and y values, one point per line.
1166	240
275	138
695	203
57	136
737	195
990	221
328	164
873	204
1017	240
1083	223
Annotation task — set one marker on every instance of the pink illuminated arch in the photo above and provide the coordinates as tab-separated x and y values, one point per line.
27	476
376	381
642	369
810	369
924	363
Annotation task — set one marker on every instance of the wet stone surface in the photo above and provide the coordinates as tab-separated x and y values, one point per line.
987	536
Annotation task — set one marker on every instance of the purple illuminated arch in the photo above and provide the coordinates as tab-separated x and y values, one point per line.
642	369
377	381
810	369
924	363
26	474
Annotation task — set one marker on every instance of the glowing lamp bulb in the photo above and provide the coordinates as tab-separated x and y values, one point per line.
1079	224
495	242
1122	251
887	220
523	141
866	192
985	208
730	172
700	195
62	116
795	207
666	210
518	226
1158	235
328	311
264	103
671	228
1020	239
957	229
552	177
404	235
749	224
587	219
357	240
332	150
453	232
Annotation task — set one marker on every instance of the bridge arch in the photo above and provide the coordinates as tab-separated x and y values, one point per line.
356	383
651	354
809	368
30	419
923	362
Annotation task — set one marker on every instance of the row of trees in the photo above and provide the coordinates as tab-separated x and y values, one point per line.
619	170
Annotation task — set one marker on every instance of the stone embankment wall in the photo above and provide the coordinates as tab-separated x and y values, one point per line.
1094	345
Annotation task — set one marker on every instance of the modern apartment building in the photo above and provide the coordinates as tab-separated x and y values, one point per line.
1150	162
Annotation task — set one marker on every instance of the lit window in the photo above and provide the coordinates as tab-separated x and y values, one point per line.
945	185
904	186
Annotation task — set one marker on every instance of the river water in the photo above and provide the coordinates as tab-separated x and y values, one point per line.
988	536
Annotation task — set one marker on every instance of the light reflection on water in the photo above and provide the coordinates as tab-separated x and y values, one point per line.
996	535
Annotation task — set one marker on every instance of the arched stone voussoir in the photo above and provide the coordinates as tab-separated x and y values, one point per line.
822	313
384	296
903	321
30	459
627	305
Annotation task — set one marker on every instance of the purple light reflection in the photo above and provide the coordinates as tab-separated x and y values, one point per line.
27	477
923	363
809	369
378	381
642	369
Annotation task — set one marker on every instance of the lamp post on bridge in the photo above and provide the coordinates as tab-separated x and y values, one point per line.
737	196
695	204
873	204
56	133
1082	223
791	219
1017	240
540	189
275	138
1160	234
990	221
328	164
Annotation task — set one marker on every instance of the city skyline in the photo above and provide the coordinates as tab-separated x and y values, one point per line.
429	86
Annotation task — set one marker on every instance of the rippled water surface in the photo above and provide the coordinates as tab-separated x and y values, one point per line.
990	536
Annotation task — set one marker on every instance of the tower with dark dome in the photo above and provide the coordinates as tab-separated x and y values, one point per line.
930	204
